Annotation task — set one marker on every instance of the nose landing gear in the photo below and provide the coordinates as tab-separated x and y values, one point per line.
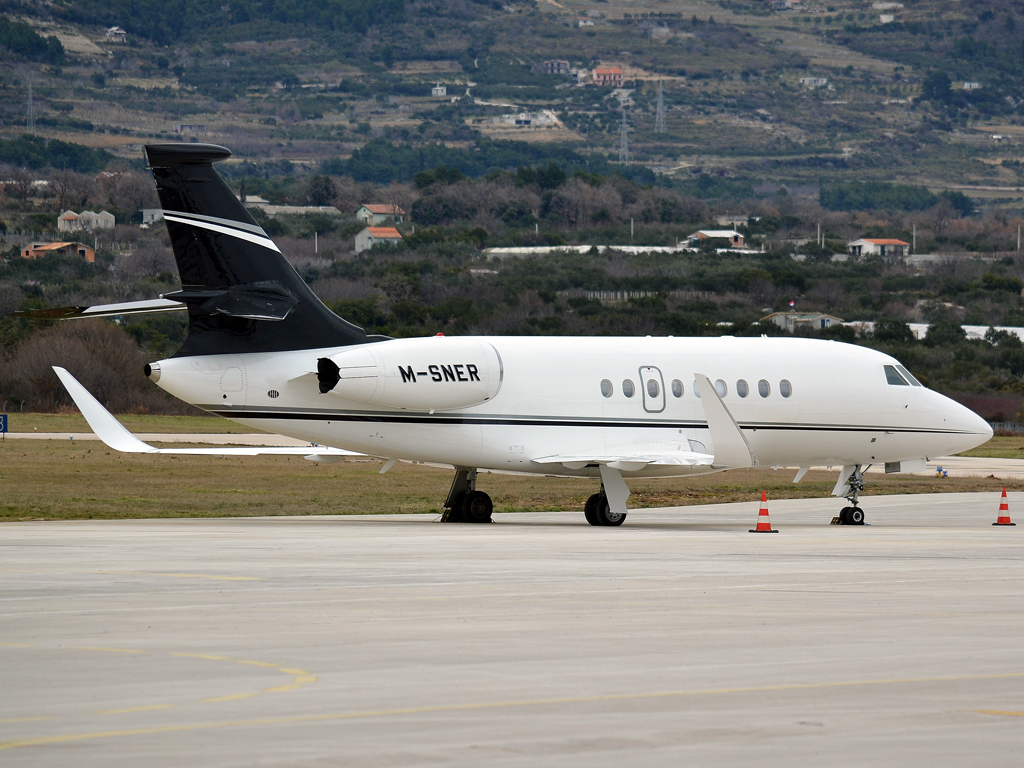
851	483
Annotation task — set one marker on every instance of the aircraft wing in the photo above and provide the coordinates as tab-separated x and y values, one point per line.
631	462
114	434
104	310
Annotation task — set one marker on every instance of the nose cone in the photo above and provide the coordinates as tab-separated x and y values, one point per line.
974	430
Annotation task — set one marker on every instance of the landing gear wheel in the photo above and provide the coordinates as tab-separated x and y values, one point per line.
454	513
844	516
605	516
590	509
477	507
856	516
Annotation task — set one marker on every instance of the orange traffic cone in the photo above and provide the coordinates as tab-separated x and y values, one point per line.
763	524
1004	512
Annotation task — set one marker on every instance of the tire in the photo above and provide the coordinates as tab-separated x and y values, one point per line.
477	507
590	509
607	517
856	516
844	516
455	512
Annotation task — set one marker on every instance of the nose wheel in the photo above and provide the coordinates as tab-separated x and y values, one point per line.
851	516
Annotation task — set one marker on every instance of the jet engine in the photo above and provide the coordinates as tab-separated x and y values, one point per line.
426	374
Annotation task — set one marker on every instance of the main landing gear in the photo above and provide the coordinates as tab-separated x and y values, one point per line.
599	512
850	490
465	504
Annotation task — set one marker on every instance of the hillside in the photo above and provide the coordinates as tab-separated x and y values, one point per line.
308	82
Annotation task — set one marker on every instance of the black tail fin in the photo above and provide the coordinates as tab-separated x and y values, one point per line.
242	295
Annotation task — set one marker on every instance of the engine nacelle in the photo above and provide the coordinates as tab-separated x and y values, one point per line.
426	374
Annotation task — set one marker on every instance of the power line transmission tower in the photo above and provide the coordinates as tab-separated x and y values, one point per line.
31	115
659	120
624	140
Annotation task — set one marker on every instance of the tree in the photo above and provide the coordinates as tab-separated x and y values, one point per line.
936	86
321	190
944	333
893	331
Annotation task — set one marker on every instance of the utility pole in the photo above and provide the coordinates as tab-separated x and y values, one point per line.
913	248
624	141
631	228
659	120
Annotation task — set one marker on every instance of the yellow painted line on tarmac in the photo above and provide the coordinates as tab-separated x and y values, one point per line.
203	656
104	650
259	663
999	712
288	671
486	705
127	710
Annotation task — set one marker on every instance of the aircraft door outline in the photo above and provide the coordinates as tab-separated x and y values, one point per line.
653	396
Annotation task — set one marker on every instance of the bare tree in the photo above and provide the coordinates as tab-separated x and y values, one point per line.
61	182
133	191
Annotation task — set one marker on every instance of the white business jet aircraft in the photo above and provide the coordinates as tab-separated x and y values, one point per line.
263	350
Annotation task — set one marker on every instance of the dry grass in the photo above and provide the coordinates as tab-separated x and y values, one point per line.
58	480
1000	448
166	425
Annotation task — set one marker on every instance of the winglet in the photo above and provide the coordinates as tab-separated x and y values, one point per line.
731	448
106	427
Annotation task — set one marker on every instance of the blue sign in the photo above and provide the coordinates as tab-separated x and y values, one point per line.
3	422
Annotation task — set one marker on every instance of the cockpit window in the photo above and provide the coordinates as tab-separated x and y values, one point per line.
893	376
909	376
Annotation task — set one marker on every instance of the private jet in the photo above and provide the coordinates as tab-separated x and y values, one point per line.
262	350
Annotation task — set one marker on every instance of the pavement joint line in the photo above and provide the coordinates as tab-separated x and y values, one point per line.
999	712
105	650
72	737
128	710
25	719
180	575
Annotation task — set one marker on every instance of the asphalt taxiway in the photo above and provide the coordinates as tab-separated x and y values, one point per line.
677	639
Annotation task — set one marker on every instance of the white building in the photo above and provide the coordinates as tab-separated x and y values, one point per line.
878	246
971	86
371	236
790	321
814	82
439	90
69	221
376	214
116	35
151	216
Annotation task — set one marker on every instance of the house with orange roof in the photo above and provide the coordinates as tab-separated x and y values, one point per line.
37	250
376	214
608	76
878	246
372	236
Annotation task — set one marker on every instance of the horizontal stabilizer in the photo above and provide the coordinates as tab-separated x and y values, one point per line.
104	310
113	433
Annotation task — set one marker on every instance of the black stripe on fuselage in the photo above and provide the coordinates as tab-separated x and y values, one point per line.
387	418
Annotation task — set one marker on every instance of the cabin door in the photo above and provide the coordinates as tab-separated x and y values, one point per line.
652	386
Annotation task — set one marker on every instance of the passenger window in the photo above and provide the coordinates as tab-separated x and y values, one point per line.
763	389
908	376
741	388
696	389
721	389
677	388
652	388
606	388
784	388
627	388
892	376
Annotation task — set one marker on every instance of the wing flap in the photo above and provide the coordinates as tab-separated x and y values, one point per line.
630	462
